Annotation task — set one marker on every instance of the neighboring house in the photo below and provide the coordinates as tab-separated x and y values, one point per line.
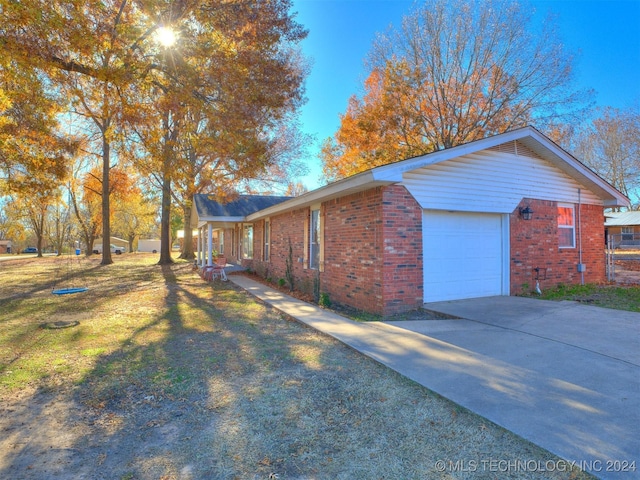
118	242
5	246
623	228
486	218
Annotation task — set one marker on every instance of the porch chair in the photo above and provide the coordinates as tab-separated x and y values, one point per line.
216	270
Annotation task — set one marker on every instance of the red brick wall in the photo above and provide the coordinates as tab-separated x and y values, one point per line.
361	268
402	234
353	252
373	249
352	245
286	229
534	244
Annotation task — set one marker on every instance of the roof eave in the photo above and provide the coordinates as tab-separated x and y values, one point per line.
357	183
610	196
202	221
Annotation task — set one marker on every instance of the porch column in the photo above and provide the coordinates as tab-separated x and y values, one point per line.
204	246
199	258
210	245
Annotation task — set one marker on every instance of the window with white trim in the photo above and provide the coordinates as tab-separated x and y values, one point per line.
627	233
314	240
247	241
221	238
566	226
267	239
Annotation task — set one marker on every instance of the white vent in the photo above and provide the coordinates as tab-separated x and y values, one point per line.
515	147
508	147
522	149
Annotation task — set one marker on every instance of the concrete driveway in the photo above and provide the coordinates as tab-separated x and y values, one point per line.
564	375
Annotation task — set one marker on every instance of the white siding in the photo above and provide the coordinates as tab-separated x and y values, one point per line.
492	181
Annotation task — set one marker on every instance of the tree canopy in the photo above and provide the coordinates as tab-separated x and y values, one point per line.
214	88
610	145
455	71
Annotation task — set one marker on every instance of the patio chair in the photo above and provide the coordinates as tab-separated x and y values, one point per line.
211	272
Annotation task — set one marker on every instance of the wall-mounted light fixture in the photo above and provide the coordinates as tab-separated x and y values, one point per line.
526	213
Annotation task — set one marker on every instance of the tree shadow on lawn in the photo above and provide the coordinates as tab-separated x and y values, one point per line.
213	384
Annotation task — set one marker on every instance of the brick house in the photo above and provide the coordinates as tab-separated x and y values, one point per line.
5	246
623	229
491	217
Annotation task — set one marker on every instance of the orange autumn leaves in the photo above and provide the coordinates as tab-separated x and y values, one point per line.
454	72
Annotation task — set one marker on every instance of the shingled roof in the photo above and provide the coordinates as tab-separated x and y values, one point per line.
208	208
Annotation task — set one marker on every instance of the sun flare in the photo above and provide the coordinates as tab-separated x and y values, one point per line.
166	36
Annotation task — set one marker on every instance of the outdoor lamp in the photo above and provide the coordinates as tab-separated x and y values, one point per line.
526	213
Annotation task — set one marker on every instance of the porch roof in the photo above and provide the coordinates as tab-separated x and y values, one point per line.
208	210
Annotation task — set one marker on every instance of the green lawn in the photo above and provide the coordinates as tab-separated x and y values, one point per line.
607	296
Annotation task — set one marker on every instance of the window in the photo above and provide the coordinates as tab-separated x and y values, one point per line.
233	242
267	235
314	240
247	241
566	226
221	239
627	233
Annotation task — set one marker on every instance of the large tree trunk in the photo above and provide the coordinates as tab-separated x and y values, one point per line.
165	222
187	246
106	224
40	231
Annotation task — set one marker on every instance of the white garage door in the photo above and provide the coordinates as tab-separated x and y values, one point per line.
464	255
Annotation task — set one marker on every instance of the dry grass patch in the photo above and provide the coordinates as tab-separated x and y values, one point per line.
166	376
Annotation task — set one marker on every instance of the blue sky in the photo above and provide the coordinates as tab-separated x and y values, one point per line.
604	33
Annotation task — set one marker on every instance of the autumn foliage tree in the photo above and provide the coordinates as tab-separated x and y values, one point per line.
32	153
225	87
235	63
454	72
610	145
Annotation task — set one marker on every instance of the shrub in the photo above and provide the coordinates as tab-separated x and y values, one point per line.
324	300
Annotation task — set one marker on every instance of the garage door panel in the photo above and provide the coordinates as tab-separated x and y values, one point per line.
463	255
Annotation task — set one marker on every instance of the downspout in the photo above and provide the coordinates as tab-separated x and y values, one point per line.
580	265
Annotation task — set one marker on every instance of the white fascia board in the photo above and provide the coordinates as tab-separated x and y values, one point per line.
357	183
219	221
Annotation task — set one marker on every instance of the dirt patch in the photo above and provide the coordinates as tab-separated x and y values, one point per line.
627	272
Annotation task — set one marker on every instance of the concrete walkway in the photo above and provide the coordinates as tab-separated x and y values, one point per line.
561	375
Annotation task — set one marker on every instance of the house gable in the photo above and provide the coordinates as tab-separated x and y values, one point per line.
537	147
493	180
